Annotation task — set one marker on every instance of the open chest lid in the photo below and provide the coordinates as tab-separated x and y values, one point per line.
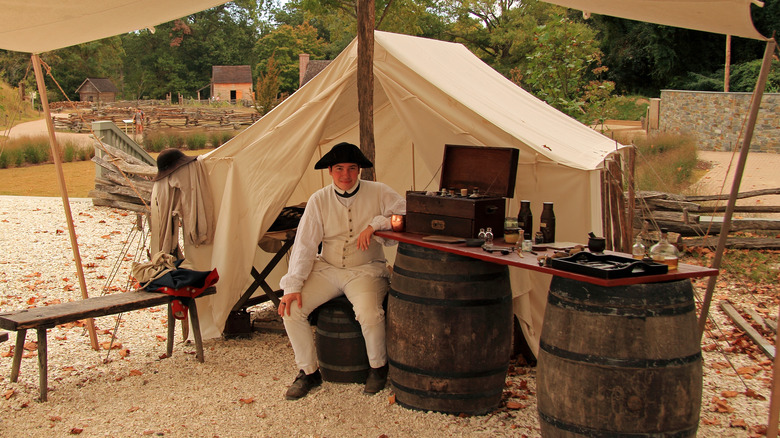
492	170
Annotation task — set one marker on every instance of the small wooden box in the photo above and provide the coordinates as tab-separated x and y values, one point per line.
491	170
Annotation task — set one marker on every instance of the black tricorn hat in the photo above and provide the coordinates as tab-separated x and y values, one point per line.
169	160
343	153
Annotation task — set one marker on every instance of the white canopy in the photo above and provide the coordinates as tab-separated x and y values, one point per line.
36	26
427	94
728	17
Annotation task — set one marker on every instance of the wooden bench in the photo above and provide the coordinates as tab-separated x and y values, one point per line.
43	318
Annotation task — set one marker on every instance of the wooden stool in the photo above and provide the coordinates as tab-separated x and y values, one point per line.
341	349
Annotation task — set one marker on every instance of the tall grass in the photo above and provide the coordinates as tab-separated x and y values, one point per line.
156	141
665	162
36	150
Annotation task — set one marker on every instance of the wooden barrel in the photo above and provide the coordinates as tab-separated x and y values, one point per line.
449	330
619	361
341	349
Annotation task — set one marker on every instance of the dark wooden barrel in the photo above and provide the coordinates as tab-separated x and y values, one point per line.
449	330
341	349
619	361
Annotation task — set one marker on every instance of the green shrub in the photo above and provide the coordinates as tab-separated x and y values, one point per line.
176	140
69	153
86	154
155	142
35	153
197	140
4	160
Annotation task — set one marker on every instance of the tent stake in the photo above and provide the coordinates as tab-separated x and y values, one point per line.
55	154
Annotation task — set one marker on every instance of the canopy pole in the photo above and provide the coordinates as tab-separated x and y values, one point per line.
758	93
55	154
365	82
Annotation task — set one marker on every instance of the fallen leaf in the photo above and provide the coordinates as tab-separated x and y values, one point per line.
55	418
135	373
242	374
30	346
753	394
246	401
391	399
76	430
711	421
124	352
729	394
134	408
8	394
515	405
738	422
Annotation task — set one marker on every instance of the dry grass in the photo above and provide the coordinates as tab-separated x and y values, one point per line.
42	180
665	163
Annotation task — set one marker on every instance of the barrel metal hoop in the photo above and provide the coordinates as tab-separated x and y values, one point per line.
450	277
345	368
618	362
635	311
446	395
337	319
600	433
339	335
448	375
420	252
450	302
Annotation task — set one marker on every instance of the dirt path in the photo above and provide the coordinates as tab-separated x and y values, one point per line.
37	128
761	172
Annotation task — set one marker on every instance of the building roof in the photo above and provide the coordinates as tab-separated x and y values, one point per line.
313	67
231	74
102	85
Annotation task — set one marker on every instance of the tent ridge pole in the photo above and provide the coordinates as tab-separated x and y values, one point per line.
55	153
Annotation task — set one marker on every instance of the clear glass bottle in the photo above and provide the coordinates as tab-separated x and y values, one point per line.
547	222
525	220
481	234
489	237
664	252
638	250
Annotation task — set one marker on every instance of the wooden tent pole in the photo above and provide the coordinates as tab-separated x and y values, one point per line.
758	93
55	154
365	82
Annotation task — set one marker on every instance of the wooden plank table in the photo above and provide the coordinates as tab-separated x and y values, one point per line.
529	261
45	317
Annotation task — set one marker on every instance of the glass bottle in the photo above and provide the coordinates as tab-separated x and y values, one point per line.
638	250
547	222
489	237
481	234
664	252
525	219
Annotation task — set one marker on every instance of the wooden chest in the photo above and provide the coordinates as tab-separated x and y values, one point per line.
489	170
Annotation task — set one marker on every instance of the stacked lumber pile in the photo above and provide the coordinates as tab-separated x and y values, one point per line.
125	182
695	216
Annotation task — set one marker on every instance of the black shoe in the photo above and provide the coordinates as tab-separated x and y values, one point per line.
303	384
376	380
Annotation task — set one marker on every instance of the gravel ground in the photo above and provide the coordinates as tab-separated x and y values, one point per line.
131	391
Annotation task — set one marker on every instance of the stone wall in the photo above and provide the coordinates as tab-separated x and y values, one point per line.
717	119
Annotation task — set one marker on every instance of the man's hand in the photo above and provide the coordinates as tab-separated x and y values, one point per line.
364	239
287	300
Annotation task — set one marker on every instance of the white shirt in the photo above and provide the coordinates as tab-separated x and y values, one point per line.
311	231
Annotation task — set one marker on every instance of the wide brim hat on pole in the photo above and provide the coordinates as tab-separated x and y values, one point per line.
343	153
169	161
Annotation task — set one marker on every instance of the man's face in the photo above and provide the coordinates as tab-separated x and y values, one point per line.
344	175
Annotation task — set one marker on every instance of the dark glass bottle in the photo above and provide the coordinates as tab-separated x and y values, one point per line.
525	220
547	222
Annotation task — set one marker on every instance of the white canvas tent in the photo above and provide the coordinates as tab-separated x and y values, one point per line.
427	94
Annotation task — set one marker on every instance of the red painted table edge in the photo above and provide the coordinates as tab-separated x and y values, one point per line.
529	261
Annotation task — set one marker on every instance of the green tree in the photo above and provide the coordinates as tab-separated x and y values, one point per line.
70	66
283	45
267	90
561	66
